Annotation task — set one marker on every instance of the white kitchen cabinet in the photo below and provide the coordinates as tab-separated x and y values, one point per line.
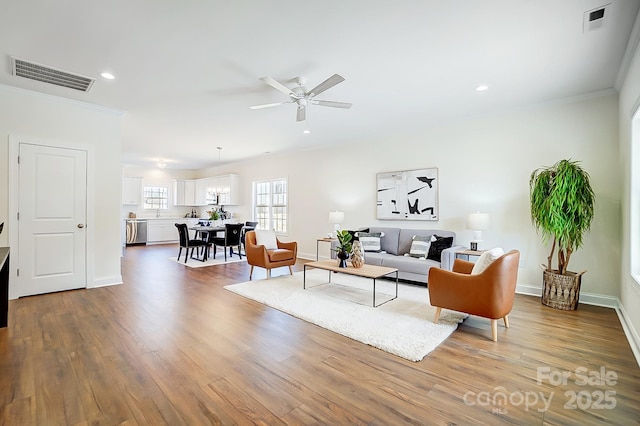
132	191
163	230
201	192
184	193
228	190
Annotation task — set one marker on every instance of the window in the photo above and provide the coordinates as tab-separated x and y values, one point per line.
270	204
634	203
156	197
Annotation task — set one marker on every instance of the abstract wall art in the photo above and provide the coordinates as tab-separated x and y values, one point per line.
408	195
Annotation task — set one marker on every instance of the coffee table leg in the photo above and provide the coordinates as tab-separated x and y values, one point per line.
396	284
304	277
329	277
374	292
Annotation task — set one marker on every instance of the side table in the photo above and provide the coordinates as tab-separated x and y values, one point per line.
468	253
323	240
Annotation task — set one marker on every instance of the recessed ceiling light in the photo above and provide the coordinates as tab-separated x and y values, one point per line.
107	75
306	131
482	88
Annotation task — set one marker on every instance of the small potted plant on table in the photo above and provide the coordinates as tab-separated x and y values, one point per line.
343	249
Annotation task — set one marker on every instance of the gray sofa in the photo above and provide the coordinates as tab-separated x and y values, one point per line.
397	241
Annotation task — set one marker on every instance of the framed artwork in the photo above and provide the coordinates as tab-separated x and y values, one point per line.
408	195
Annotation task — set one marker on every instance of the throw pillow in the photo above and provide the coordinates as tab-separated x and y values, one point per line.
435	250
486	259
370	240
266	238
420	246
354	234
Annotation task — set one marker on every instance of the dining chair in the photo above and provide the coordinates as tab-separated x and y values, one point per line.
232	234
187	243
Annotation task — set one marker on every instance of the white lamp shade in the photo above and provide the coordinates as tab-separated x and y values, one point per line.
478	221
336	217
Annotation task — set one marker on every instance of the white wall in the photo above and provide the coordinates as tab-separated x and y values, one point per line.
629	150
484	164
33	115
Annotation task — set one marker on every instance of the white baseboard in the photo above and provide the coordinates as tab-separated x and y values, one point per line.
629	331
106	281
586	298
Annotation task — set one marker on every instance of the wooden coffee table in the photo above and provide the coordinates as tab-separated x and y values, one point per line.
367	271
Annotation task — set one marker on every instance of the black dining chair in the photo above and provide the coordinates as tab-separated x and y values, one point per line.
248	226
187	243
232	234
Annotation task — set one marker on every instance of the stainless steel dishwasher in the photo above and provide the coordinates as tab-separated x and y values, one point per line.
136	232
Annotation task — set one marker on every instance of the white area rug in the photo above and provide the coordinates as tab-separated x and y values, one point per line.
403	326
219	260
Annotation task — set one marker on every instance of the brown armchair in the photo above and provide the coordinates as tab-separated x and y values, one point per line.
285	255
489	294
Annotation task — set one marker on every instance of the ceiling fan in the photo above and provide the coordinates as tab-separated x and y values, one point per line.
303	97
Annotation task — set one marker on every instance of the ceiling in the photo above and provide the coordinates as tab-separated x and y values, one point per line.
187	71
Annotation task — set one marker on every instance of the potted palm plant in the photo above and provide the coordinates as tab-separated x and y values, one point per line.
562	204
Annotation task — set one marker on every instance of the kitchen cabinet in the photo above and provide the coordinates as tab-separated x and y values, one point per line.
223	190
201	192
229	194
132	191
184	193
164	230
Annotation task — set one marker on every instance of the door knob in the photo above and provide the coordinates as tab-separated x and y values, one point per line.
81	225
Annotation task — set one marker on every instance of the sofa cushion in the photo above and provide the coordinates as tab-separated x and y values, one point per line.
370	240
408	264
389	243
373	258
278	255
441	243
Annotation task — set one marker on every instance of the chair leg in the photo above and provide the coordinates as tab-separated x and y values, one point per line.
506	321
268	274
494	330
290	270
435	319
225	253
179	253
250	272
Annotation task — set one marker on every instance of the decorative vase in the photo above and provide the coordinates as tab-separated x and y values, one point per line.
343	256
357	255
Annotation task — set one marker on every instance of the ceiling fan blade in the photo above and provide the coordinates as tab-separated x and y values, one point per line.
269	105
333	104
327	84
302	113
277	85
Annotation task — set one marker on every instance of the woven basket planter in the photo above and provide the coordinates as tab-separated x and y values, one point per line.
561	291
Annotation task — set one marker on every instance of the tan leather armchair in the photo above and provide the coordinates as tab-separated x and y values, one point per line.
489	294
285	255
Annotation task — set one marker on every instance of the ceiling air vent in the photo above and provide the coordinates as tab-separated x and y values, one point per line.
44	73
594	18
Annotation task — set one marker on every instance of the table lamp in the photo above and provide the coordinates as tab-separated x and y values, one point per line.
336	218
477	222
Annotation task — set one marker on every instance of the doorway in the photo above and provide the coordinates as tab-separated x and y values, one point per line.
51	213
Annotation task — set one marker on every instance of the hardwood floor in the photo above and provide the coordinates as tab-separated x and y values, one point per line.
171	346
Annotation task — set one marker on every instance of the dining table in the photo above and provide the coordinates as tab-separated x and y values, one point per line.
202	232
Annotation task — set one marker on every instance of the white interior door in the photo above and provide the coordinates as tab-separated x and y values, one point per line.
52	218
